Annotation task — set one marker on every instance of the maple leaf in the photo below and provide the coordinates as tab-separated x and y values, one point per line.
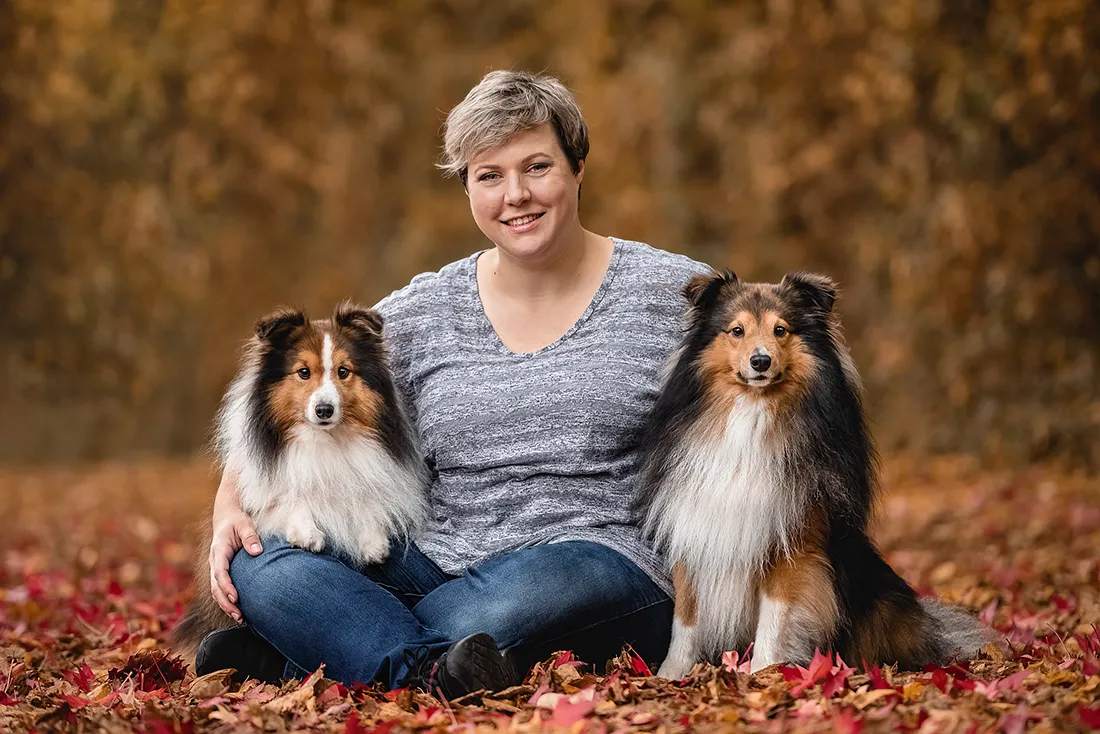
837	679
149	670
733	662
878	680
820	669
82	677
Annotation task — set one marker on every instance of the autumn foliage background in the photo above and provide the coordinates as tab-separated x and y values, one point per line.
171	169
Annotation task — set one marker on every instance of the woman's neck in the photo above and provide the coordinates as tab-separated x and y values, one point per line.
556	275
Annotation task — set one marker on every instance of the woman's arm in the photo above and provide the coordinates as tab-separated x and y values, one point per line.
233	529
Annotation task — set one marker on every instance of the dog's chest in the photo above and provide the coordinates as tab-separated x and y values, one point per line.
725	494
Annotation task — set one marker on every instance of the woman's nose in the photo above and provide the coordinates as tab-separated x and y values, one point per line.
516	191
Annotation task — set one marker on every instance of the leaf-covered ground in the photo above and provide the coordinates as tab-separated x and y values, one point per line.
95	567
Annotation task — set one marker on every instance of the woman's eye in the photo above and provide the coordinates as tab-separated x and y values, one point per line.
780	331
343	372
304	373
737	331
540	166
488	176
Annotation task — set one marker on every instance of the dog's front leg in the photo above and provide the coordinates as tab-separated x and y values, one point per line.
798	612
374	543
302	530
683	651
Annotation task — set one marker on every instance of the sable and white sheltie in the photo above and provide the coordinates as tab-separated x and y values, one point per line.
316	434
759	481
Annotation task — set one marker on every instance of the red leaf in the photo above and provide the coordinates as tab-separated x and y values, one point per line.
392	695
1013	681
638	666
877	679
1090	717
734	662
1064	604
565	657
149	671
790	674
939	679
819	667
75	702
566	714
82	677
6	700
333	693
352	725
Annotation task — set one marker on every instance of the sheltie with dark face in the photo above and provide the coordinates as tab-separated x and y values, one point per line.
759	481
324	456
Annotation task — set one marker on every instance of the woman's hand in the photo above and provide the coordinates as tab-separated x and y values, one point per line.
233	530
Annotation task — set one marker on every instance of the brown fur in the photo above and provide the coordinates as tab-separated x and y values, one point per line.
361	405
687	605
805	580
290	395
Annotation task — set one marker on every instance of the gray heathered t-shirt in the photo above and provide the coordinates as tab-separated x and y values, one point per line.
539	447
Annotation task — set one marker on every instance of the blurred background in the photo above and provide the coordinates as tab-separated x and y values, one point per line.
171	169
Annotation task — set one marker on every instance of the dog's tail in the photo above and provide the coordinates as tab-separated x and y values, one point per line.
202	617
203	614
955	633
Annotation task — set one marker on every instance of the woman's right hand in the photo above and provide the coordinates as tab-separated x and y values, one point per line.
233	530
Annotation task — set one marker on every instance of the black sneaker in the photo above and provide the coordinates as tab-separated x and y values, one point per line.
240	648
472	664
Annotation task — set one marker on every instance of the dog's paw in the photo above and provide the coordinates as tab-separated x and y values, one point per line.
374	548
674	669
306	535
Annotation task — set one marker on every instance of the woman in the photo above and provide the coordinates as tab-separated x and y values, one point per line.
528	370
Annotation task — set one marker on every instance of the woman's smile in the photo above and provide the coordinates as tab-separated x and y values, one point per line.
522	223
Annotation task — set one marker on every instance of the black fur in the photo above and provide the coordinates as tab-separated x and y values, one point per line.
277	334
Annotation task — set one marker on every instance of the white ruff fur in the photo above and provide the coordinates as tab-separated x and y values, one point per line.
721	512
335	488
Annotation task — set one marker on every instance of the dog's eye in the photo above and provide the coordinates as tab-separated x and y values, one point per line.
304	373
780	330
343	372
737	332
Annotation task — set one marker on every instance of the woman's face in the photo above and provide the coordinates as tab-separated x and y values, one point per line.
523	193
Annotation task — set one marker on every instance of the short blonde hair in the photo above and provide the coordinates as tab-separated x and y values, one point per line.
505	103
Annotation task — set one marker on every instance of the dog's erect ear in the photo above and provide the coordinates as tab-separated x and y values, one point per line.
358	318
819	291
702	289
279	323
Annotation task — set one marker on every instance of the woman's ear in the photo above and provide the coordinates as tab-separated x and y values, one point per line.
580	172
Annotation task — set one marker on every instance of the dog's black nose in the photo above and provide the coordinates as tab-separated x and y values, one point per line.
760	362
325	411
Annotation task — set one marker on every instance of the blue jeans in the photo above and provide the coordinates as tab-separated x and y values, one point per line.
365	623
